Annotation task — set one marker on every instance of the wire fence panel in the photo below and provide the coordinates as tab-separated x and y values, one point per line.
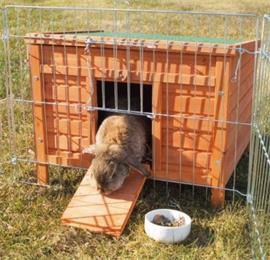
259	183
4	129
187	75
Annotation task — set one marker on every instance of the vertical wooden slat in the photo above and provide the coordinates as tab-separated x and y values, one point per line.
223	67
92	116
157	125
38	113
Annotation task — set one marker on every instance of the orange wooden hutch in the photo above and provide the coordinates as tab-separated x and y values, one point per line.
200	90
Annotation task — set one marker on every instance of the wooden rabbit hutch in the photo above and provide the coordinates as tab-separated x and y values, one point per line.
201	99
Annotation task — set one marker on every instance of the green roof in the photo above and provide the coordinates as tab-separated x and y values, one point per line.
159	37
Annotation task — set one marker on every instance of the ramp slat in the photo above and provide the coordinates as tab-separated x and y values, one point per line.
100	213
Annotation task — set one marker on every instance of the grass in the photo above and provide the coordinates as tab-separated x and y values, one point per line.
30	224
30	215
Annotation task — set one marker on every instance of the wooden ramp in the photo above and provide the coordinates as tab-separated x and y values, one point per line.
100	213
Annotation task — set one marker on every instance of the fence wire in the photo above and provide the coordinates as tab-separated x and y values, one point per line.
259	183
4	129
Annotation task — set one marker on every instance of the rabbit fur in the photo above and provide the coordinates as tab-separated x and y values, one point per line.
120	144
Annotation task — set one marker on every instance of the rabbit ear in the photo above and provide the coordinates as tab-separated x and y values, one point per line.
90	149
138	167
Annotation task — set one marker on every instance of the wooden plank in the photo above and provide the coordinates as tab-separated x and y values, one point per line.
243	127
187	140
103	213
223	72
158	45
181	65
135	76
241	137
247	90
73	127
244	106
92	116
150	61
61	79
184	174
65	110
157	125
246	59
188	104
38	113
232	157
248	45
242	92
218	196
189	90
185	157
67	142
66	92
67	154
189	123
245	75
70	159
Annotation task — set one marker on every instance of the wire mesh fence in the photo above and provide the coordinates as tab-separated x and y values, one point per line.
189	75
160	25
4	132
259	161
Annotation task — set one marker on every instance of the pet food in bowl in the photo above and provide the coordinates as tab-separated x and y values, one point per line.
163	221
167	225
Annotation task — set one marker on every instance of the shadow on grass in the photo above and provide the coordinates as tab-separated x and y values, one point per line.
199	236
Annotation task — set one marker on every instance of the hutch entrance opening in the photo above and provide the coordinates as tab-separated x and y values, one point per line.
120	97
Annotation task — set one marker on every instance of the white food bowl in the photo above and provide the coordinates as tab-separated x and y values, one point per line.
167	234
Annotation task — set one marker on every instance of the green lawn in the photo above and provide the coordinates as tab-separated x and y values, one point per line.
30	224
30	215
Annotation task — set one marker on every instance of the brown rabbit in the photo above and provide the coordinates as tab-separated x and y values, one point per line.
120	144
